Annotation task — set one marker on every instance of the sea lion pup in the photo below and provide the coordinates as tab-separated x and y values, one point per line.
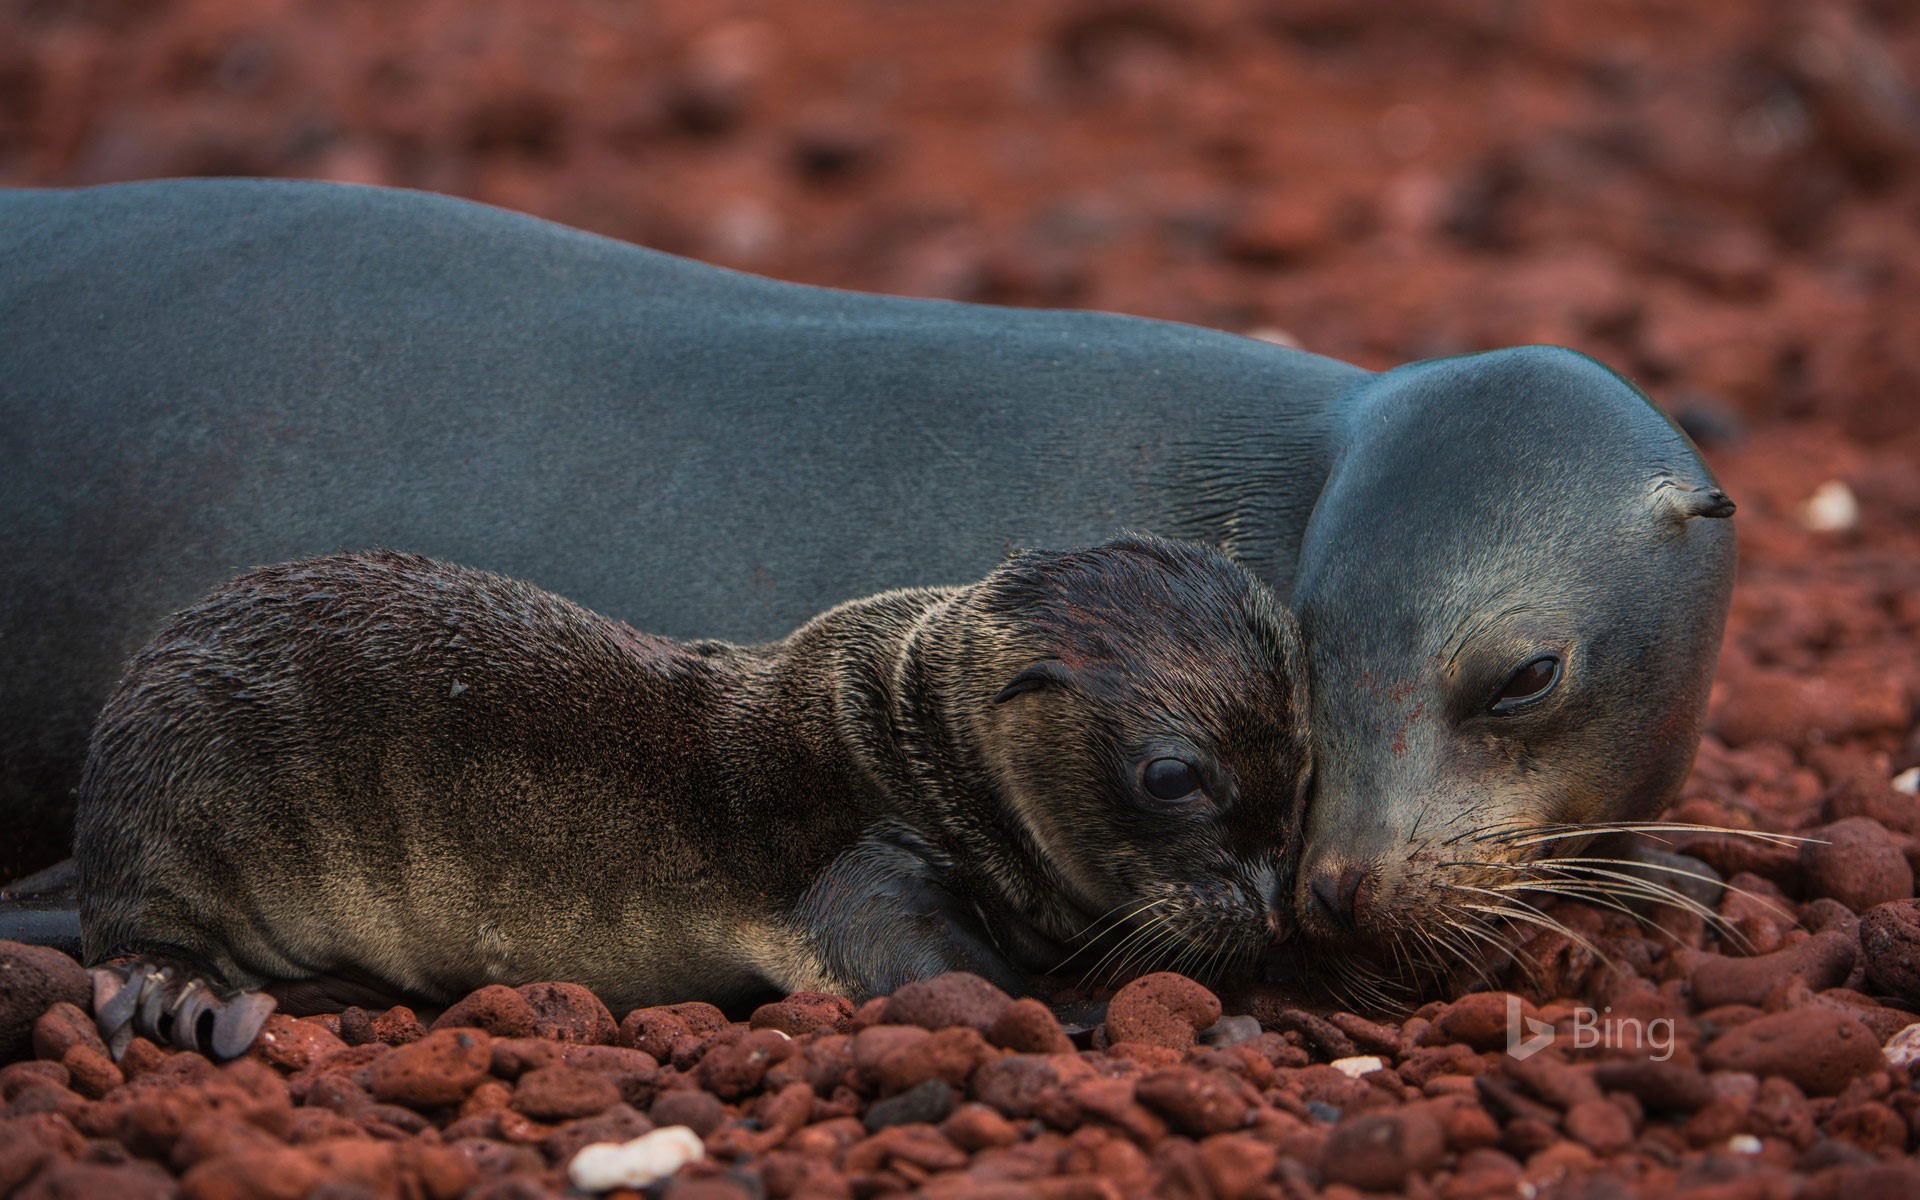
374	778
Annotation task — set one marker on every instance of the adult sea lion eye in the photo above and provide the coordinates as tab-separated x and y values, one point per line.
1170	779
1528	683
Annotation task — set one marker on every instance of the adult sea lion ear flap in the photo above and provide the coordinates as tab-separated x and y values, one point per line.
1048	672
1684	501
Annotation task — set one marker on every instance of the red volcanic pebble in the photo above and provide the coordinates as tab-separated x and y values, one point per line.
563	1093
1733	856
1376	1151
395	1027
90	1072
1866	790
90	1180
500	1010
267	1173
805	1012
1819	1049
1238	1166
32	980
1822	961
1881	1019
1779	706
292	1043
439	1069
1028	1026
1479	1020
1890	938
658	1030
699	1111
1857	863
64	1027
957	998
1659	1086
1199	1103
1161	1010
893	1058
735	1069
1017	1084
567	1012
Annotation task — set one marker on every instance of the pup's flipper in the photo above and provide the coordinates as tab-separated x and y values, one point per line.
159	1001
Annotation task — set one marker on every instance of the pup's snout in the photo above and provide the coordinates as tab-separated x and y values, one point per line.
1279	929
1274	892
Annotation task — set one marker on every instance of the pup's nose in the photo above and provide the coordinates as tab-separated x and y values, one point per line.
1336	888
1276	895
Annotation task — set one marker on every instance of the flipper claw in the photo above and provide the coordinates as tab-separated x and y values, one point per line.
139	996
153	1005
237	1021
195	999
115	996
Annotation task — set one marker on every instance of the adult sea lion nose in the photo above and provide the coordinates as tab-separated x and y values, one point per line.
1334	890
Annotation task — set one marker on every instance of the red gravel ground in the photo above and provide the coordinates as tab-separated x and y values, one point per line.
1721	198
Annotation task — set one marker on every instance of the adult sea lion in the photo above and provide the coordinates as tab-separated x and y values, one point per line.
1516	661
379	776
204	375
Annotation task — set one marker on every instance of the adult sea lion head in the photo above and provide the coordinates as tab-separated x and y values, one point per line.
1138	710
1512	590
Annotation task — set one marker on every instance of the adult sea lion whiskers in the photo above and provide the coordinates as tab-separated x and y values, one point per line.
1486	905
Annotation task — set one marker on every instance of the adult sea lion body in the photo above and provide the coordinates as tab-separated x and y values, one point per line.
376	776
205	375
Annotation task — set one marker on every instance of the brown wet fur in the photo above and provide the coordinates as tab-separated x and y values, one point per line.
398	777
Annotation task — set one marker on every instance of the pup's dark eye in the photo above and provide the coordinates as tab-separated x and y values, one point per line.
1530	682
1170	779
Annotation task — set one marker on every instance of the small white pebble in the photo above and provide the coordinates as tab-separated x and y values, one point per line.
1359	1064
1744	1143
1279	337
647	1159
1831	508
1903	1048
1907	782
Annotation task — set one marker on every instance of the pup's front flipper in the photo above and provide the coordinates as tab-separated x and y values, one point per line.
163	1003
882	917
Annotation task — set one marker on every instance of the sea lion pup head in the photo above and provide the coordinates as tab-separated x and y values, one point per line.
1520	657
1138	713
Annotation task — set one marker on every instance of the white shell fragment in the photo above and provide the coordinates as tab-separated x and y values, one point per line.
1831	508
1744	1143
647	1159
1359	1064
1903	1048
1279	337
1907	782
